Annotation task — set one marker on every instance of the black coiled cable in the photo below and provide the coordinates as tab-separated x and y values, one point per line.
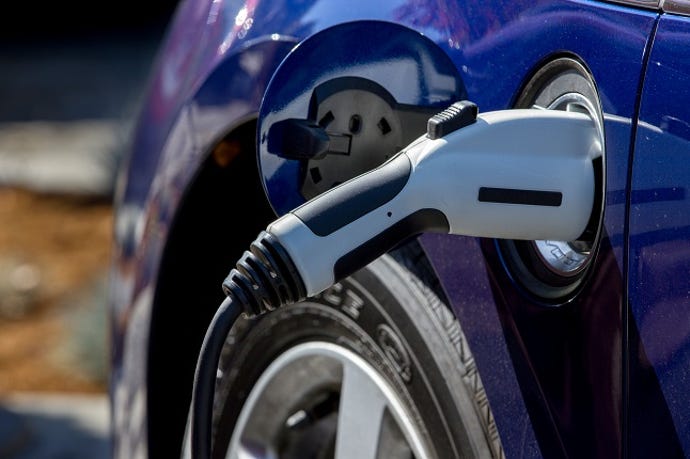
264	279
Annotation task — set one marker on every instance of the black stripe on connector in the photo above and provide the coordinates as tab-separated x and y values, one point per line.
523	197
424	220
351	200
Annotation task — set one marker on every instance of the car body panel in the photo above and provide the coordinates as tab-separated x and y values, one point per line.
199	91
660	225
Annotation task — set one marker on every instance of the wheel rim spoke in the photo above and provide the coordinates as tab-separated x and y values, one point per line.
361	409
253	451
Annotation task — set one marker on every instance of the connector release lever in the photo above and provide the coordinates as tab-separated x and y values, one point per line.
458	115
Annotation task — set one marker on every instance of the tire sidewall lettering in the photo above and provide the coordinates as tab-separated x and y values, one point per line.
351	303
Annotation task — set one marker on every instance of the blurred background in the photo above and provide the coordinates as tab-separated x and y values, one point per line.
72	76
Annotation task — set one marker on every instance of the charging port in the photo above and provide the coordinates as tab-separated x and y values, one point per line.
550	269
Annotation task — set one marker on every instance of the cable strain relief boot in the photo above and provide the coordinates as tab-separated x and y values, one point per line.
265	278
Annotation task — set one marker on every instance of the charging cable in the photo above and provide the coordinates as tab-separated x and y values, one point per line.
512	174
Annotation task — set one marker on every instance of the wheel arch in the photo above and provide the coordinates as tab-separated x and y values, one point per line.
221	209
204	241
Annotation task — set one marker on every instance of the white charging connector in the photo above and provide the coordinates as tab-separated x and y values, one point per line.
510	174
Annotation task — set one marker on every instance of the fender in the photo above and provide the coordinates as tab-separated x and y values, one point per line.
147	211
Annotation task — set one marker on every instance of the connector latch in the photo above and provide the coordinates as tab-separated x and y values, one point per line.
458	115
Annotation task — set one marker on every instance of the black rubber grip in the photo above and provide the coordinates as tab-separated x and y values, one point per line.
347	202
265	278
524	197
424	220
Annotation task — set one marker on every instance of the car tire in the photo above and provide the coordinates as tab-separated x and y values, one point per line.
281	377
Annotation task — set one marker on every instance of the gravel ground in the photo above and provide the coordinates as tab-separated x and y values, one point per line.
53	261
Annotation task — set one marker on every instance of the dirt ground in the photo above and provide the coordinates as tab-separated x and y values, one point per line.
53	250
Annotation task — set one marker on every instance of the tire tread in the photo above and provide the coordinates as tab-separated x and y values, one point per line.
421	274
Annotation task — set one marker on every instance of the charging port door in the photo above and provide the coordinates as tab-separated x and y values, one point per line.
344	101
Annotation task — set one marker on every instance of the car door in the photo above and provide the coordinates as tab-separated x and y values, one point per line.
659	258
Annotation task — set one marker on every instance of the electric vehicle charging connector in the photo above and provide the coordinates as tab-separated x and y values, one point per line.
512	174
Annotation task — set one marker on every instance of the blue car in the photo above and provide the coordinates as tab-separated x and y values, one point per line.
554	324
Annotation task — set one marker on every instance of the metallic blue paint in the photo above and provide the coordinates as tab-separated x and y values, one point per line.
460	262
196	95
660	224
